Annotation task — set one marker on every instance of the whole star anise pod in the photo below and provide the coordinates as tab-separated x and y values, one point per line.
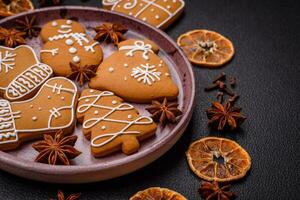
28	25
110	32
11	37
82	74
212	191
61	196
164	112
221	116
56	150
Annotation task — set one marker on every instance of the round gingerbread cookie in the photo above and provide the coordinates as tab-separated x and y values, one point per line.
65	42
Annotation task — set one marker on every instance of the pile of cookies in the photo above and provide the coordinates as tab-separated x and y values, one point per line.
39	99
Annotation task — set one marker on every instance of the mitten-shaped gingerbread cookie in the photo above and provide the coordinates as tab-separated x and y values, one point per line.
136	73
21	73
51	109
159	13
66	41
111	124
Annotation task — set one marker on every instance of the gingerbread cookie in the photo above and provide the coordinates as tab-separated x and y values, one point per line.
51	109
137	67
159	13
112	124
21	73
66	41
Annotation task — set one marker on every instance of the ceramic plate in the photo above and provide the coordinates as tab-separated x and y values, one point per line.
86	168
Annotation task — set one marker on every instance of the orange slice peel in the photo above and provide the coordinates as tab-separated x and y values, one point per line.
218	159
206	48
15	7
157	193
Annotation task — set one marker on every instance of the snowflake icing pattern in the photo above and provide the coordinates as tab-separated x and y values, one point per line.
148	74
7	62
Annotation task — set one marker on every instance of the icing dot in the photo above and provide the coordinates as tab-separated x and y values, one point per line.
111	69
118	6
125	78
103	127
141	4
69	22
91	91
72	50
34	118
62	98
54	23
152	10
160	65
157	17
40	108
31	106
114	102
76	59
130	13
125	65
49	97
96	112
87	100
168	6
69	42
129	116
167	74
165	0
144	19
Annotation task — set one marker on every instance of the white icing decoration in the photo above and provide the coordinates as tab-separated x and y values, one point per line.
76	59
147	4
72	50
65	29
69	42
54	23
91	47
129	116
109	2
96	112
91	90
157	17
103	127
64	32
62	98
168	6
48	97
7	61
78	37
144	19
7	122
125	78
125	65
111	69
52	51
31	106
69	22
34	118
138	46
148	74
114	102
39	108
167	74
87	100
94	121
130	13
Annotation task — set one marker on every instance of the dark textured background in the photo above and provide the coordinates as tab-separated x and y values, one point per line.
267	63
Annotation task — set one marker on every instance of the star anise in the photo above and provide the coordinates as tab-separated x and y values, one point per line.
110	32
212	191
56	150
164	112
82	74
28	25
49	2
11	37
221	116
61	196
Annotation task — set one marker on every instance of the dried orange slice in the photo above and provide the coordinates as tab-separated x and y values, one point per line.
206	48
157	193
14	7
218	159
